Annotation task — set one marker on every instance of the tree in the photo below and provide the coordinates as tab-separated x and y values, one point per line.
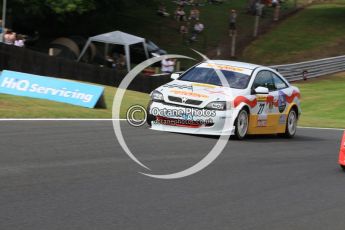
61	17
59	7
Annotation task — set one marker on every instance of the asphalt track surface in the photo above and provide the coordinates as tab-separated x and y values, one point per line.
74	175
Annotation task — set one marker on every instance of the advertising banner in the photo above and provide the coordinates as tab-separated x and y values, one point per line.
54	89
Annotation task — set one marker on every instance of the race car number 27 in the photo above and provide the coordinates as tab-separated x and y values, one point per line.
261	108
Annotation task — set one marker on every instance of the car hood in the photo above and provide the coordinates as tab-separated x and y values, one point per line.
177	92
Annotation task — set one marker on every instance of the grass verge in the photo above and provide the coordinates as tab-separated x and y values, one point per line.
314	32
323	103
24	107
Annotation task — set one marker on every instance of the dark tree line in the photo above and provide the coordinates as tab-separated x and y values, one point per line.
68	7
65	16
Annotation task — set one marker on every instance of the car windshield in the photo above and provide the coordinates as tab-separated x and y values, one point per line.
209	76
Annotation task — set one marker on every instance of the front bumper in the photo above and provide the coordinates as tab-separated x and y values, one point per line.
206	123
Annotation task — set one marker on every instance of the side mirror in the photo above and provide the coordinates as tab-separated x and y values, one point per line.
261	90
174	76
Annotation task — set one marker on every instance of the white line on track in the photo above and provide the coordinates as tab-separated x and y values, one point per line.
339	129
109	119
59	119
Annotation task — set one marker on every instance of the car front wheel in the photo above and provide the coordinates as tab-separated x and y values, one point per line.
241	124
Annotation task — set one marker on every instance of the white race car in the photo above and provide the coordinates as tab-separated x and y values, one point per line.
258	101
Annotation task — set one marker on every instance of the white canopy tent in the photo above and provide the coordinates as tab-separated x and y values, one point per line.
118	38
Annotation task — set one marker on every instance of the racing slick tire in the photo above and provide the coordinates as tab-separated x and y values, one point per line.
241	124
291	124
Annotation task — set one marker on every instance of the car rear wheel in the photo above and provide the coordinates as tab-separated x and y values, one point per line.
241	124
291	124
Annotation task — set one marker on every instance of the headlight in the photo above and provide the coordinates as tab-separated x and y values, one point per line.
218	105
157	96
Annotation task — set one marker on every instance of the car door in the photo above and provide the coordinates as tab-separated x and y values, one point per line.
279	111
261	119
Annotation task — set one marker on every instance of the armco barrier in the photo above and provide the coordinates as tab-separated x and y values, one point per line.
311	69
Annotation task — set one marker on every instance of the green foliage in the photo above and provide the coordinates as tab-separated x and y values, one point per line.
70	6
60	7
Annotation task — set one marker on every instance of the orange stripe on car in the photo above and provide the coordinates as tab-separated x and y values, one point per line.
191	94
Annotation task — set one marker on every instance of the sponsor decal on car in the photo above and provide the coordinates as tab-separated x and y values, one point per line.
261	98
281	101
262	121
226	68
186	93
203	85
178	86
282	119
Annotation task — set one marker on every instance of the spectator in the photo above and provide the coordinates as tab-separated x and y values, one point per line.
183	2
180	15
275	3
253	5
162	11
266	2
19	41
194	14
9	37
168	66
259	9
120	61
276	6
198	28
110	62
184	29
232	23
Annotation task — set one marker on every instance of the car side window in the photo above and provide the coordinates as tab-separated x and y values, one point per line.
278	82
264	79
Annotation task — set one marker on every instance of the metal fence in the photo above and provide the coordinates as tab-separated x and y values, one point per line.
311	69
